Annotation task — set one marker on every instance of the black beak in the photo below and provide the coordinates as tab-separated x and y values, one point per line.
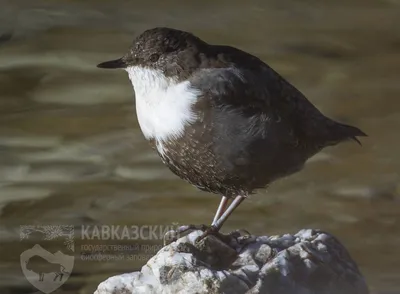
118	63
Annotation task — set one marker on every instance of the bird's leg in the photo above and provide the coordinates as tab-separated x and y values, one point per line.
235	203
216	226
186	228
221	209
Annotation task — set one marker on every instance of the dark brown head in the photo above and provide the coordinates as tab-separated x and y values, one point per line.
163	49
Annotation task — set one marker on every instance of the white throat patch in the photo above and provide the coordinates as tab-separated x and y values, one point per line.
163	106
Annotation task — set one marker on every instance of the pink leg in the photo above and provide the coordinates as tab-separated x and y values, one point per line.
221	209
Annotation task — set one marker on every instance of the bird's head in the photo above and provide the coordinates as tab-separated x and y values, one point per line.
162	49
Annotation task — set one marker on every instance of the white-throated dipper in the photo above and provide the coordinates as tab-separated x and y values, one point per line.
220	118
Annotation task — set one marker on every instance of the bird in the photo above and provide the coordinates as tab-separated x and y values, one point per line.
221	118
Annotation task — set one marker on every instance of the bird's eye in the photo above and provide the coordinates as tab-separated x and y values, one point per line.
154	57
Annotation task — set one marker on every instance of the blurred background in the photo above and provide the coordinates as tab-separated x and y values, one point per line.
71	152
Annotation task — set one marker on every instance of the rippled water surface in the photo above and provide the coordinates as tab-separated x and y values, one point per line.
71	151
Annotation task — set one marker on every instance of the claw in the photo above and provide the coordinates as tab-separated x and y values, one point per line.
174	235
240	232
242	236
209	231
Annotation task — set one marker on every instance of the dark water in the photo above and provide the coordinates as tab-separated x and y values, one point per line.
71	152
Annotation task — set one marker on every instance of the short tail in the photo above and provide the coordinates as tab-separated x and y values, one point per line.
343	132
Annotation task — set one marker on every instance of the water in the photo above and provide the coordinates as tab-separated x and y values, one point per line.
71	151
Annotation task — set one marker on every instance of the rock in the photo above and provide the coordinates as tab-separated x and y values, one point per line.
309	262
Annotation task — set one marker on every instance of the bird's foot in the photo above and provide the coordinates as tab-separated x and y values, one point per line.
211	230
242	236
236	235
173	235
239	233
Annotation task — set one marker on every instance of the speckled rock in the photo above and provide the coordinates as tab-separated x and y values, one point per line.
309	262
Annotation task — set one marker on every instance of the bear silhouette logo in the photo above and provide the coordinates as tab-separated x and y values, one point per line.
45	270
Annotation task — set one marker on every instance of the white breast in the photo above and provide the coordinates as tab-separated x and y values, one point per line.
163	106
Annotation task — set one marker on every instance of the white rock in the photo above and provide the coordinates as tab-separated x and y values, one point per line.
282	264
